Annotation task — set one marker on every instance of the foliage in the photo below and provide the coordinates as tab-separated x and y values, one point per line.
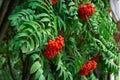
35	22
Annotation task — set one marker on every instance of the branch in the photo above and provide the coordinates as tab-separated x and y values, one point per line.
6	9
10	69
25	73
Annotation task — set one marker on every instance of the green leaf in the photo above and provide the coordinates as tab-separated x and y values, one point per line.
45	20
39	75
34	57
71	3
34	25
26	47
17	44
14	16
36	40
37	5
32	44
35	67
43	15
21	35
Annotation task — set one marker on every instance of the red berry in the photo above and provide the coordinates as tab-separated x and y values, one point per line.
85	10
53	2
86	68
54	47
95	58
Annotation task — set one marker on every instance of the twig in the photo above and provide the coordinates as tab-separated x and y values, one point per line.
10	68
25	73
9	64
21	57
4	22
4	9
8	61
90	25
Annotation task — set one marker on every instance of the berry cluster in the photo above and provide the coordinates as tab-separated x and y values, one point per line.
53	2
54	47
95	58
85	10
86	68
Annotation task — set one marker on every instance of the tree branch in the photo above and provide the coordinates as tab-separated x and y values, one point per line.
10	69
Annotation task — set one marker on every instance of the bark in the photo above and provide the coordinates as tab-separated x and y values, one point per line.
4	9
7	7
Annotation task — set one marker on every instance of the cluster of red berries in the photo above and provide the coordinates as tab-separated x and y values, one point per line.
90	65
85	10
54	47
53	2
86	68
95	58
